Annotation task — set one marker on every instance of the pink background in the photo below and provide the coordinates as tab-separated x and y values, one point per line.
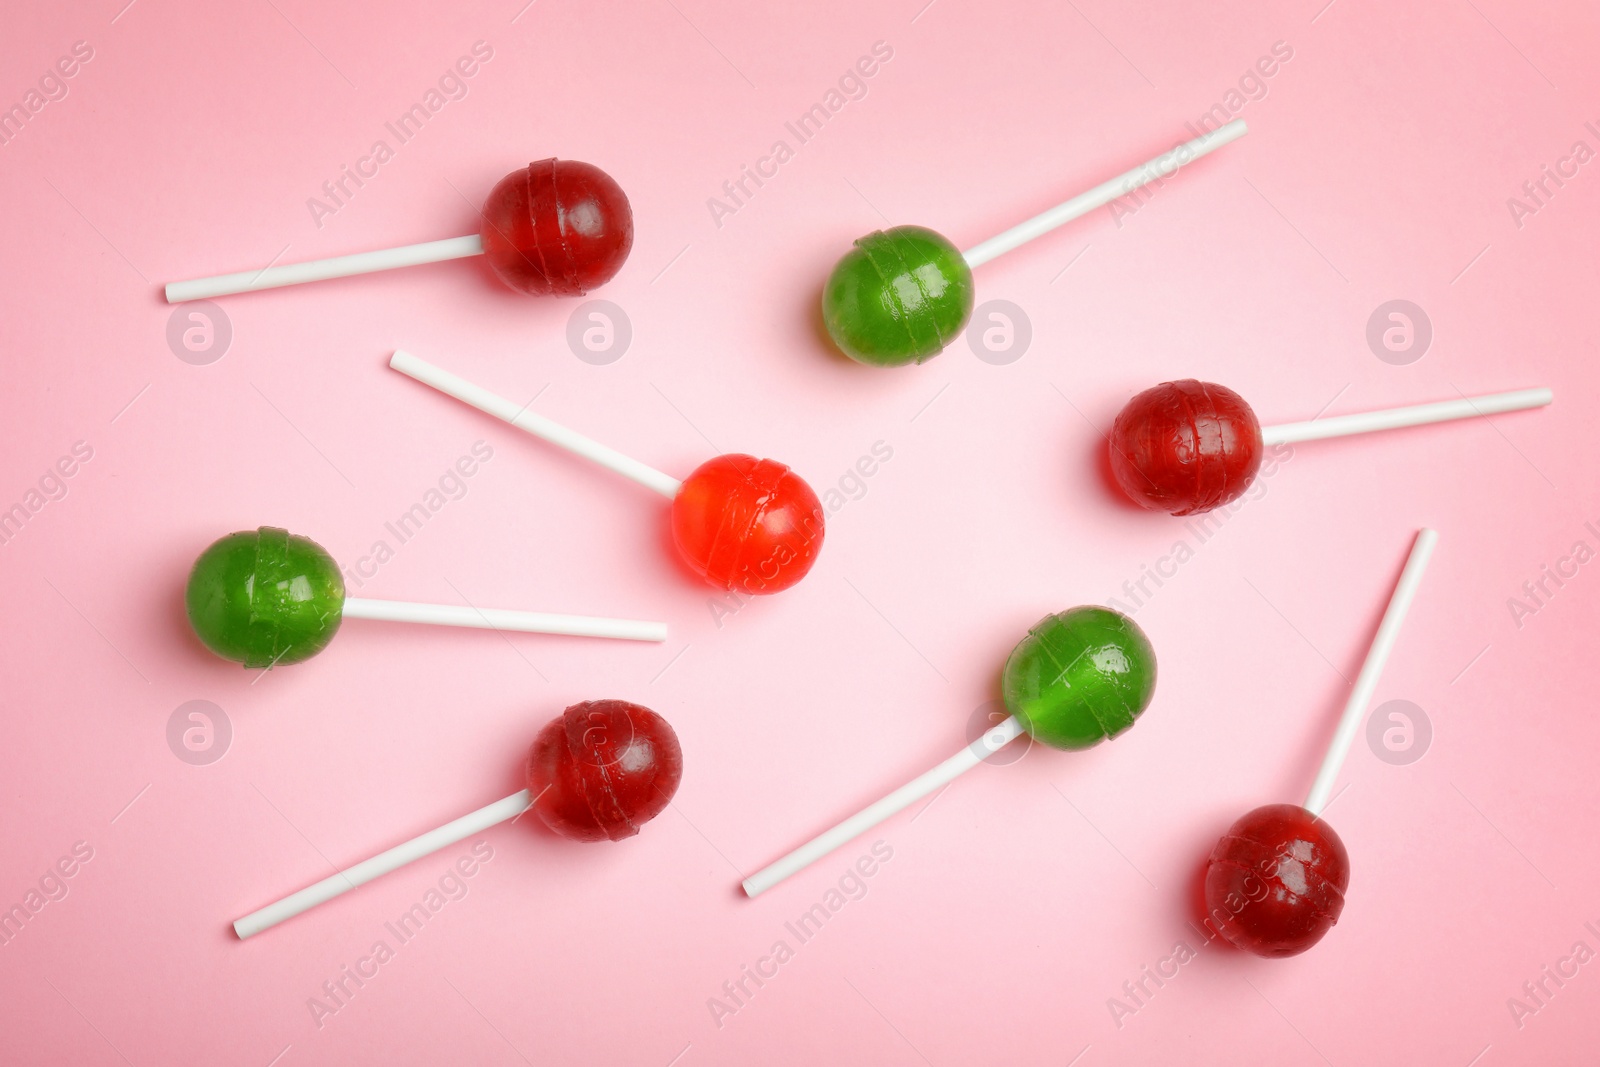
1016	906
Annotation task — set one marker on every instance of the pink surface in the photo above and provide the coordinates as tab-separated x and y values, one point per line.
1013	910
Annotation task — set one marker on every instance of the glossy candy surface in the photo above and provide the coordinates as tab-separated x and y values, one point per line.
265	597
747	524
899	296
1185	447
1276	881
603	769
1080	677
557	226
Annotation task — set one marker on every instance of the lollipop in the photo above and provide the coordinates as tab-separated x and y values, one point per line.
739	522
1187	447
1078	678
268	597
600	771
900	295
1276	881
558	226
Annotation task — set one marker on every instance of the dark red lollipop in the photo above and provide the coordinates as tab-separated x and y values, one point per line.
599	772
557	226
1188	446
603	769
1185	447
1275	883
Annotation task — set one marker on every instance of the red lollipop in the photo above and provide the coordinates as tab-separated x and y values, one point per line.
1188	446
738	522
1275	883
599	772
746	523
604	769
556	226
1185	446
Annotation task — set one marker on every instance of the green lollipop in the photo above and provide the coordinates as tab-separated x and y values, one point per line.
1080	677
267	597
901	295
1077	678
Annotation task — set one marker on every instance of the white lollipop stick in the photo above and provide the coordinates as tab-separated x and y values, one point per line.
1415	415
322	269
1160	167
1367	681
382	864
532	622
993	739
523	419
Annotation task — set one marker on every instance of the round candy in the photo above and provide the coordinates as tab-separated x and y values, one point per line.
1080	677
899	296
1185	447
747	524
265	597
603	769
558	226
1275	883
